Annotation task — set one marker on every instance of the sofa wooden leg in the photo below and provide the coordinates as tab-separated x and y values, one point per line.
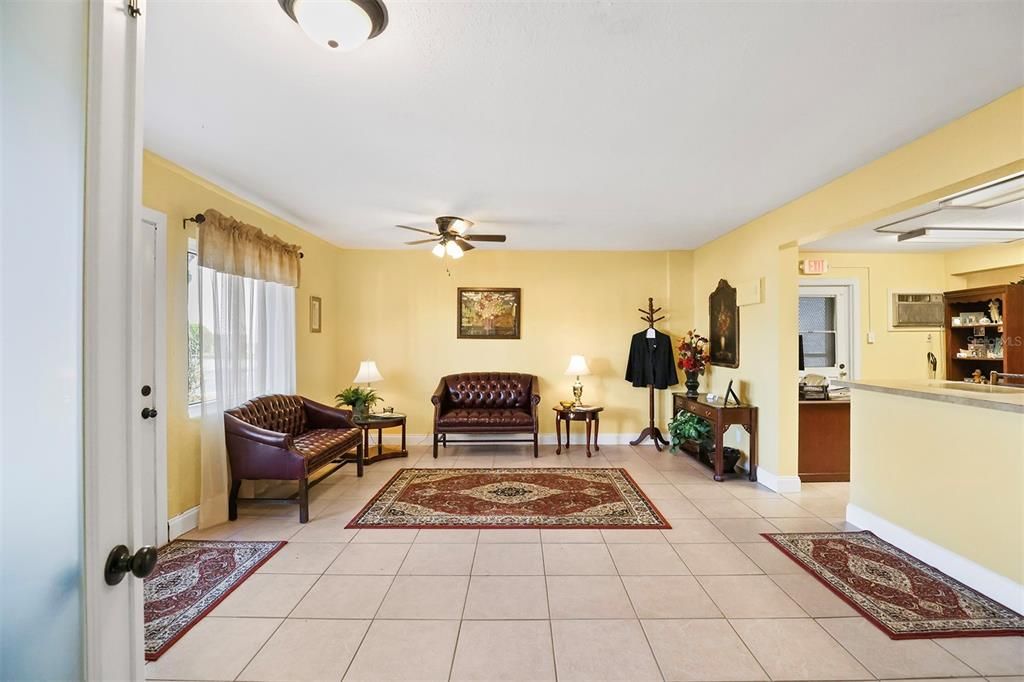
535	448
444	441
359	460
233	500
435	446
303	500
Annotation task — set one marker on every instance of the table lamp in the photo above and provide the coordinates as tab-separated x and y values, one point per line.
577	366
368	373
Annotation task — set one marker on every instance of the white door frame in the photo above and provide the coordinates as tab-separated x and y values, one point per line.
853	286
159	222
114	640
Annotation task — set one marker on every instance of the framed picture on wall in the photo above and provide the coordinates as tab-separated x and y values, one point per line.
315	313
724	326
489	313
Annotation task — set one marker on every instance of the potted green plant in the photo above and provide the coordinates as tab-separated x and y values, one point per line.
689	432
359	399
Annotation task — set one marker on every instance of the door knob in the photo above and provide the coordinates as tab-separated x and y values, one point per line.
148	413
120	561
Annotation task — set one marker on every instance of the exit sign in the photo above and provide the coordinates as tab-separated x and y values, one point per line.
814	266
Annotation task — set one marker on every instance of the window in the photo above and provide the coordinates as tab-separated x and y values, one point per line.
826	329
818	329
195	337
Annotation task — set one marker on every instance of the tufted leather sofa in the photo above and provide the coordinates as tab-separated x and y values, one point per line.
287	437
485	403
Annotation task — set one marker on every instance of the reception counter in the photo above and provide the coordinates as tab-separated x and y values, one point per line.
937	468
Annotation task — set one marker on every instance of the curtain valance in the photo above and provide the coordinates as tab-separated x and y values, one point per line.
228	245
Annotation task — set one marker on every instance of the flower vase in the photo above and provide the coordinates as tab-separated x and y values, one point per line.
360	410
692	384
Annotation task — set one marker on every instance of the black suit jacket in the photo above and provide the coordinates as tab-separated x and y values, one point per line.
651	362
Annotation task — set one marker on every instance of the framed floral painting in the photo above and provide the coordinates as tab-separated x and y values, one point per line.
724	326
489	313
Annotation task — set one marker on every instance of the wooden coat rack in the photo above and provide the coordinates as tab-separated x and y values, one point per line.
651	430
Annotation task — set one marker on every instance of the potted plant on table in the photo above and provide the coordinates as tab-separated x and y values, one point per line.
359	399
693	359
689	432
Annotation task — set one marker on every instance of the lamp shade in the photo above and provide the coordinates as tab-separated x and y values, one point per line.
367	373
577	366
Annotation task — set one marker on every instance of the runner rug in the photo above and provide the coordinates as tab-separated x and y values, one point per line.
510	498
904	597
191	577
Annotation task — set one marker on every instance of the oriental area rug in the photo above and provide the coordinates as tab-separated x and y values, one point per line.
510	498
904	597
191	577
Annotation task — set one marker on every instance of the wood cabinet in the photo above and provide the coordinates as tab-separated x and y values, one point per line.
824	440
1010	330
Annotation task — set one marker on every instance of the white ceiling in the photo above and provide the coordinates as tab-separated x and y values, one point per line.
566	125
869	238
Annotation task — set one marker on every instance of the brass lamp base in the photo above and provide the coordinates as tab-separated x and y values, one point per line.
577	393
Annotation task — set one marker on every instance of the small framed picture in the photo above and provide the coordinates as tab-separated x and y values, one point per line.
488	313
315	314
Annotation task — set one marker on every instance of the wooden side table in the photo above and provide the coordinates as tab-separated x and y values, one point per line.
588	414
380	422
721	418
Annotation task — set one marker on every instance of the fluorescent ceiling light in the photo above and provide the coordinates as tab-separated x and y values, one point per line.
989	196
960	235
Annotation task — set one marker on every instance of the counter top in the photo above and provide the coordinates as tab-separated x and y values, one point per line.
1003	398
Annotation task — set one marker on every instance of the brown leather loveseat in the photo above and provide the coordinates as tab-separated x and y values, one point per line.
486	403
287	437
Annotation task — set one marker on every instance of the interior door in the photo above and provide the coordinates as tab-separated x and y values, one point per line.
42	176
151	432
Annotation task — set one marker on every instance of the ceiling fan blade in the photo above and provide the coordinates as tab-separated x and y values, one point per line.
415	229
485	237
464	245
422	241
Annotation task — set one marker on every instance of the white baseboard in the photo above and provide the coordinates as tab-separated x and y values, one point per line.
183	523
1004	590
780	484
577	438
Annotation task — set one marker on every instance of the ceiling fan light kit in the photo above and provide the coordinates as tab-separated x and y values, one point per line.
451	238
341	25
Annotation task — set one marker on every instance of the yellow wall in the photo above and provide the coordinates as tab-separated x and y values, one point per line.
896	354
984	145
984	265
402	311
177	193
910	457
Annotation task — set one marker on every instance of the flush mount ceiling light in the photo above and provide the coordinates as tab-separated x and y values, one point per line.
992	195
341	25
960	235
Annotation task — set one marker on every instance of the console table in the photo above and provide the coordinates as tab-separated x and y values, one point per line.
721	418
379	422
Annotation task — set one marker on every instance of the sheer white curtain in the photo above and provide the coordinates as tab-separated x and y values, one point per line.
248	349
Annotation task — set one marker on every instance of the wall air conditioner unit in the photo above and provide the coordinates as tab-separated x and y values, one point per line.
915	311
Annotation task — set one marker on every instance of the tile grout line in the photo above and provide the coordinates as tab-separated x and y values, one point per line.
462	616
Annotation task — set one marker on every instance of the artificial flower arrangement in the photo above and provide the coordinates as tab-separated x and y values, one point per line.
693	352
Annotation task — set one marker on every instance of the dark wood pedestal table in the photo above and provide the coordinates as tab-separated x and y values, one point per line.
721	418
380	422
588	414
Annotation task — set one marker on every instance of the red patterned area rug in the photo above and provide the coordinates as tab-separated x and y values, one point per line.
906	598
191	577
510	498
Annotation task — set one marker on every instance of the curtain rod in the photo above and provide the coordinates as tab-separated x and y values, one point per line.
199	219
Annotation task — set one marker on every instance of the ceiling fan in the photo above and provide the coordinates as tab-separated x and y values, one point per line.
452	236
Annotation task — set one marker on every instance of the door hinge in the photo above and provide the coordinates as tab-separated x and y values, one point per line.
134	10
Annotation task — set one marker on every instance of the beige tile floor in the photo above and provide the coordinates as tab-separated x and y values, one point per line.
707	600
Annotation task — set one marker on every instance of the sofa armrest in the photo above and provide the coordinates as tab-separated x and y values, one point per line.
233	426
319	416
534	399
438	396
